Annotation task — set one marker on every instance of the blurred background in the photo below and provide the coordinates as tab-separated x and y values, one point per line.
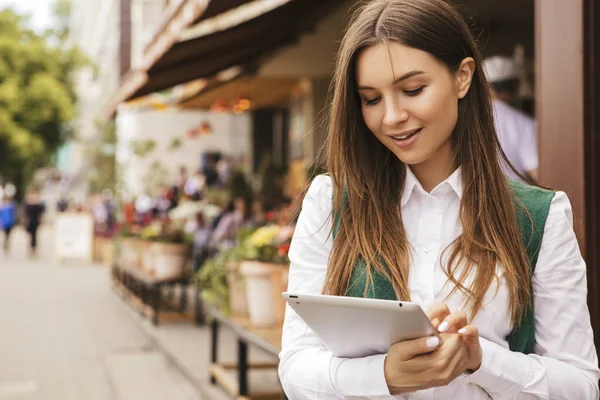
151	149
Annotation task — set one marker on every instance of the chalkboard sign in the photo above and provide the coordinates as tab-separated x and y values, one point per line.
74	236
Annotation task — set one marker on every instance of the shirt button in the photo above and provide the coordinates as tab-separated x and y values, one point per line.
423	296
427	249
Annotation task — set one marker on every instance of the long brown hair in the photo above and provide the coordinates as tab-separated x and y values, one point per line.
373	177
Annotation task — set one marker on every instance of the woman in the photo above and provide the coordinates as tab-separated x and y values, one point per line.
416	207
236	218
34	209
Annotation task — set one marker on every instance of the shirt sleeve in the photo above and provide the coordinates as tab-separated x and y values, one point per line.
565	365
307	369
528	148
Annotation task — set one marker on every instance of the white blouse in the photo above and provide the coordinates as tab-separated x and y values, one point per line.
564	365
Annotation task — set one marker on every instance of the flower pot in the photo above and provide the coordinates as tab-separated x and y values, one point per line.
263	284
238	302
146	256
168	260
129	253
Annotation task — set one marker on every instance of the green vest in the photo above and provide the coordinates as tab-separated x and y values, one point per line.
537	202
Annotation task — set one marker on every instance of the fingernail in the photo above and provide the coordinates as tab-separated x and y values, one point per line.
433	342
443	327
462	331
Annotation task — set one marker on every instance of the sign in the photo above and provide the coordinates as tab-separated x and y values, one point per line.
74	236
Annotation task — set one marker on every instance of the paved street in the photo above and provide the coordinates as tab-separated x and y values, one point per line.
64	335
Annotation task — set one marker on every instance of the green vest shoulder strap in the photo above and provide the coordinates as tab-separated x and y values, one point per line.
537	203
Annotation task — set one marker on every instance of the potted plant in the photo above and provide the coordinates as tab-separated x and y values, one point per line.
211	281
264	269
170	253
238	302
166	250
129	255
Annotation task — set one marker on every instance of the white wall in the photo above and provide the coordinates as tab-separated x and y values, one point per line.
231	136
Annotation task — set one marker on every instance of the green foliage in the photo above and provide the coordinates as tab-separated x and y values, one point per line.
103	166
211	280
175	144
37	96
156	178
142	147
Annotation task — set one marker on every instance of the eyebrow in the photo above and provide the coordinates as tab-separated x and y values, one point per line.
397	80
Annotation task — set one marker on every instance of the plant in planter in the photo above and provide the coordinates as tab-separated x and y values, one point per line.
265	271
167	250
127	246
212	283
219	282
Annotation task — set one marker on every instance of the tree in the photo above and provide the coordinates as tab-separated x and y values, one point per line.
37	96
103	166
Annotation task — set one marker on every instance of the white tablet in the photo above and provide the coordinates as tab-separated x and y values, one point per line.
352	327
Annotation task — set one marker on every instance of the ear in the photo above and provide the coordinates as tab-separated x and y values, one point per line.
464	76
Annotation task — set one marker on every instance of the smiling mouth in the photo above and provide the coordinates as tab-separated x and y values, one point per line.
406	137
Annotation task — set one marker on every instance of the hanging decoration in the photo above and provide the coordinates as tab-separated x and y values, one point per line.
237	105
203	129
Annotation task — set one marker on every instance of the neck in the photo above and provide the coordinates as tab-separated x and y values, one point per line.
434	171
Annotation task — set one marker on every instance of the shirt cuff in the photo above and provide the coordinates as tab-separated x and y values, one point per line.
502	372
362	377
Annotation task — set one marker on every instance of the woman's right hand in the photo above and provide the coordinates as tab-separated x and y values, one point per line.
425	362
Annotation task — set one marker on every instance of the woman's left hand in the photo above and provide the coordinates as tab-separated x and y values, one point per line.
456	322
470	335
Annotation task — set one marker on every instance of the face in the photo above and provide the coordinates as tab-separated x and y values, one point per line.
409	101
239	204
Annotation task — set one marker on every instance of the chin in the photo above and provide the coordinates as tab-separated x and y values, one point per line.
411	157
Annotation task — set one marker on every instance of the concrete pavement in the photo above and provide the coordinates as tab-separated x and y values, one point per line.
64	335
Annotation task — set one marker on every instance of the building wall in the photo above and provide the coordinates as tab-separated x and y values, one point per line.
231	136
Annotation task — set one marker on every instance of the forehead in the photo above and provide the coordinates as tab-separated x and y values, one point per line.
382	63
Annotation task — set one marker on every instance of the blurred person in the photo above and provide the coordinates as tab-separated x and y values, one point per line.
8	218
211	176
515	129
111	212
100	213
181	178
232	221
194	185
224	168
143	209
202	236
34	210
258	214
284	217
163	203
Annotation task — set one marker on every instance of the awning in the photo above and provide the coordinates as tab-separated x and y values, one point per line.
260	91
218	43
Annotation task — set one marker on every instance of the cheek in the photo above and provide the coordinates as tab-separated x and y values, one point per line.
440	110
372	118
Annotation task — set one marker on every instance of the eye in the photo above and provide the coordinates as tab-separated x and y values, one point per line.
373	101
414	92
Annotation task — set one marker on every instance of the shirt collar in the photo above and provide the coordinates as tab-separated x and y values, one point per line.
411	182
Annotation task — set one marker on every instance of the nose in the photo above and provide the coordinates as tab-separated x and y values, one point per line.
395	114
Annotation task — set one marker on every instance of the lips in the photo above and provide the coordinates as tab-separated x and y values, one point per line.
406	134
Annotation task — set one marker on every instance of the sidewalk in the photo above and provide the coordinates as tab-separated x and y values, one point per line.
187	346
66	336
